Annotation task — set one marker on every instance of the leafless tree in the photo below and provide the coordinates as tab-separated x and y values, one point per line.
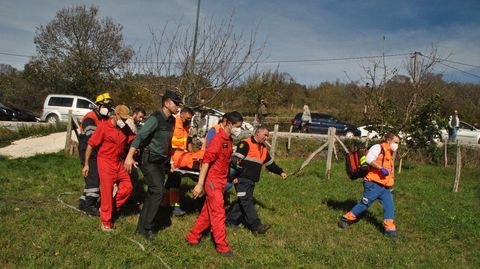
222	56
420	69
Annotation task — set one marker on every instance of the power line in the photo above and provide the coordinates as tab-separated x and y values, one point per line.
304	60
455	62
335	59
260	62
450	61
16	55
468	73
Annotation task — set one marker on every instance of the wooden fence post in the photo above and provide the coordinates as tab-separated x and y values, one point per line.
400	165
68	139
274	141
289	143
331	141
458	169
445	152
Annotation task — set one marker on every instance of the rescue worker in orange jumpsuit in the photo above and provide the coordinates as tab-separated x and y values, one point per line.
110	142
88	202
212	179
131	127
377	185
181	158
251	154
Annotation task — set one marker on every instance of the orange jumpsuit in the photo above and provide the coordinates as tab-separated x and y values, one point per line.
110	142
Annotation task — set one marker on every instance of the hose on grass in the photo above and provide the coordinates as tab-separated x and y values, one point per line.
140	245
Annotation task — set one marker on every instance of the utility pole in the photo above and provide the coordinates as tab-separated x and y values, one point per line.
384	65
415	68
190	83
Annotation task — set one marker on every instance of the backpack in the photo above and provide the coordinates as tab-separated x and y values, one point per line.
356	163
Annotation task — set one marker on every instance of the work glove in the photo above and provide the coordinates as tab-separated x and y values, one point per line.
120	124
384	171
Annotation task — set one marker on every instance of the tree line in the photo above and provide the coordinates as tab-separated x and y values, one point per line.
78	52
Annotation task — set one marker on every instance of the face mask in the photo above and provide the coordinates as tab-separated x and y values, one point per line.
394	146
104	111
236	131
186	123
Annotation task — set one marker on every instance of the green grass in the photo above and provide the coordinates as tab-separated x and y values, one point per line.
437	228
8	136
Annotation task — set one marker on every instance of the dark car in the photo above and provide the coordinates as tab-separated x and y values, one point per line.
25	115
321	122
7	113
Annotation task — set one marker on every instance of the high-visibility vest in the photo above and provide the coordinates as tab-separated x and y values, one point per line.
180	135
256	152
384	160
90	115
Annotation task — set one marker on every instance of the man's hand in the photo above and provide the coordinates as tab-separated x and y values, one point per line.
197	190
85	170
384	171
129	163
284	175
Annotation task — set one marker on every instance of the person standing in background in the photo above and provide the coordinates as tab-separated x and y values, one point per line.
306	119
262	112
453	125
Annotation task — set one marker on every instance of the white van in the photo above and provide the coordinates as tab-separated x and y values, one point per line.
56	107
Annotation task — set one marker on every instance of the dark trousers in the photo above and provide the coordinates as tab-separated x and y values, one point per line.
91	192
174	181
154	177
261	118
243	209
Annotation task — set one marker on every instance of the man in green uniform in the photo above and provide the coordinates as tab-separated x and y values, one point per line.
155	136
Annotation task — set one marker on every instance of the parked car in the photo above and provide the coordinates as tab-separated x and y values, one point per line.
467	133
213	116
25	115
7	113
56	107
370	132
321	122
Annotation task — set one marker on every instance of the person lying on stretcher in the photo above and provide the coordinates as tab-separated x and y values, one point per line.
183	156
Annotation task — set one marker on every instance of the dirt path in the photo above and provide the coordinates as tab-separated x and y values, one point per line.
31	146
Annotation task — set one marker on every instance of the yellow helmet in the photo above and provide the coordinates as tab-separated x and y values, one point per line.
103	99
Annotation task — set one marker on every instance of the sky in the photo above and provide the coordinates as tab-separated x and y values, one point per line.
293	31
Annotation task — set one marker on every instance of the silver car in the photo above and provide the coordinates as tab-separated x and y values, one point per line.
466	133
56	107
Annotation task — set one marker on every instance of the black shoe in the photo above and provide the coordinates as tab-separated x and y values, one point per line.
391	233
92	211
147	234
81	205
344	223
233	226
228	254
262	229
178	212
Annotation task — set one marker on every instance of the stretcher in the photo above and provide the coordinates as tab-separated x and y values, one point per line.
185	172
187	163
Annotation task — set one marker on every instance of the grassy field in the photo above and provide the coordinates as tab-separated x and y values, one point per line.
437	228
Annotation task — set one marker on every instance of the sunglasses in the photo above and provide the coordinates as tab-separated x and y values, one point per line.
176	103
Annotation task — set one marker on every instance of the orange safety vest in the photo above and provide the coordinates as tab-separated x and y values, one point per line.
90	115
256	152
385	160
180	135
